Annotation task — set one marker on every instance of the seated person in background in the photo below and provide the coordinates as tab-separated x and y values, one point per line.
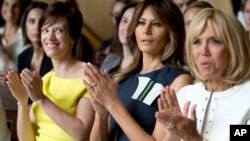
105	47
121	57
10	33
156	37
193	9
182	4
4	131
246	15
61	109
83	49
218	52
33	57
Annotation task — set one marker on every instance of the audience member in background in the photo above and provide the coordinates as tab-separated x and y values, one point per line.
246	15
121	57
61	108
193	9
4	131
10	33
83	49
33	57
105	47
11	44
156	37
218	52
182	4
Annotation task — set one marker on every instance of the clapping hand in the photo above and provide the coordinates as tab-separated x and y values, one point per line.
177	123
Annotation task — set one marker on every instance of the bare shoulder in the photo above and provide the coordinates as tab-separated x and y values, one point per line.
181	81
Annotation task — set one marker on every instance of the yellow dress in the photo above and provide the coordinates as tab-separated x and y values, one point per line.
65	93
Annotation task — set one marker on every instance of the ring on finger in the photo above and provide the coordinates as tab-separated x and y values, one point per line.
170	125
93	84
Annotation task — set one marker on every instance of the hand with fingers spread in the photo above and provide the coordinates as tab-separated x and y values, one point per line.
33	84
16	87
100	86
177	124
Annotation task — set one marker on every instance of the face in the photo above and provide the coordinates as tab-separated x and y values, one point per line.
151	35
32	24
56	39
11	10
182	4
123	26
246	14
116	11
210	54
189	15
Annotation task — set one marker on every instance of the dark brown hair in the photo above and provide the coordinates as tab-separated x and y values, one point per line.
173	52
72	17
33	5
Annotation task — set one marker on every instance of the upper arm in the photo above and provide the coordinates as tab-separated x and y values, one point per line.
85	112
181	81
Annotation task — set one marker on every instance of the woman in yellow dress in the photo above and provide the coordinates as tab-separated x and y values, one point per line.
61	109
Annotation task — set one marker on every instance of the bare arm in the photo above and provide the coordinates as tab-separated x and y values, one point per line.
80	126
25	129
104	92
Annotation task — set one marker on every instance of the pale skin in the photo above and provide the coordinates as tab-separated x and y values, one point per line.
189	15
211	57
246	14
10	12
57	44
33	33
122	34
151	38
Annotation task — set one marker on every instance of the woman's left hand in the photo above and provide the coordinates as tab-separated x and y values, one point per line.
33	84
100	86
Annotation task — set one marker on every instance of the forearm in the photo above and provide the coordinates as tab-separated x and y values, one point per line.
77	129
99	130
25	130
129	126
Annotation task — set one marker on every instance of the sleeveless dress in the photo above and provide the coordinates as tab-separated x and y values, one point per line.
65	93
139	94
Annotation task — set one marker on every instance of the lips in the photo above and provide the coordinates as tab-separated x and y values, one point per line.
51	45
205	64
147	41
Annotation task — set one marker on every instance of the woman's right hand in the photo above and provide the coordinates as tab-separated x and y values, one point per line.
177	124
16	87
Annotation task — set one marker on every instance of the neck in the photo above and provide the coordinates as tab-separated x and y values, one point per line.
61	67
216	85
151	63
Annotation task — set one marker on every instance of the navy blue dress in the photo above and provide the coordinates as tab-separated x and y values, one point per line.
139	95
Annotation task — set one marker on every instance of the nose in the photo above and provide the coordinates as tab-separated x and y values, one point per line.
205	50
51	35
147	29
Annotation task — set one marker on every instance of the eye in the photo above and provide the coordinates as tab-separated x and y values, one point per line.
141	22
44	30
156	23
31	21
59	30
124	20
215	41
197	42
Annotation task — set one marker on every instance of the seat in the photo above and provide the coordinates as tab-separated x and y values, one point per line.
11	115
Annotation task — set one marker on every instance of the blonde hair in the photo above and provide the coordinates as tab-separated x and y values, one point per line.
234	37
